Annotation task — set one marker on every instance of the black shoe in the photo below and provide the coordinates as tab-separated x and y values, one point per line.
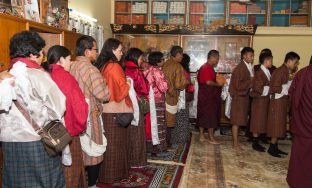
256	146
264	139
281	152
273	151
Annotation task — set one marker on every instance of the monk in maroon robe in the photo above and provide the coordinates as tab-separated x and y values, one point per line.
300	164
209	98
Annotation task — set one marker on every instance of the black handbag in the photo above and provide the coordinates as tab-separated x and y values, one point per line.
124	119
54	135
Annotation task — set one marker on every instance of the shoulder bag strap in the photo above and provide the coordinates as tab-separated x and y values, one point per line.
28	117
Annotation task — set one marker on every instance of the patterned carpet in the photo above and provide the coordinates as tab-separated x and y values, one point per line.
254	169
204	166
218	166
161	172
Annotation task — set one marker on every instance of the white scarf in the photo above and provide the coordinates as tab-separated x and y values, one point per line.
87	144
266	72
7	94
181	102
171	109
135	104
154	125
250	68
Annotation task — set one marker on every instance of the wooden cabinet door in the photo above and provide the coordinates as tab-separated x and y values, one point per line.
9	26
70	39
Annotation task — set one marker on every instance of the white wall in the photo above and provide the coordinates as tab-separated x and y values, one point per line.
98	9
282	40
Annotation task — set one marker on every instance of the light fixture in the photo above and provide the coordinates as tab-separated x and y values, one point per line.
83	16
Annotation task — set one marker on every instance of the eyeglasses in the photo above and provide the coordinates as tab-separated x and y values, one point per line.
96	50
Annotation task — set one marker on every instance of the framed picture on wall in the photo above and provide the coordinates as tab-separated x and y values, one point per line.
55	12
5	6
18	8
230	50
31	9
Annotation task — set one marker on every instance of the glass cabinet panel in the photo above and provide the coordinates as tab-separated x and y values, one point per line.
197	47
149	43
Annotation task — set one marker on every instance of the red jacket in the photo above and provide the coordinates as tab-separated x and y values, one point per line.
76	114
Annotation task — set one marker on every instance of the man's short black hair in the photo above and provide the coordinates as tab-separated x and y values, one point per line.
25	43
212	53
176	50
263	56
291	56
83	43
245	50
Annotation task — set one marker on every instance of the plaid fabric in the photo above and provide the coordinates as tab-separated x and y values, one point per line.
162	127
277	117
278	108
137	144
75	175
115	162
259	114
176	79
27	164
240	110
94	88
180	134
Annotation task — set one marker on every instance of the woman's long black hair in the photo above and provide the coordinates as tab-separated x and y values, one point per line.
133	55
186	62
107	52
54	55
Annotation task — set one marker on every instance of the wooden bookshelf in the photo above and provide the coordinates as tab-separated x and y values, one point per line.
131	11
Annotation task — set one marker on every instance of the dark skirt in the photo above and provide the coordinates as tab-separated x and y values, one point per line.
162	129
137	144
259	114
277	117
75	175
27	164
300	166
115	163
240	110
208	106
180	134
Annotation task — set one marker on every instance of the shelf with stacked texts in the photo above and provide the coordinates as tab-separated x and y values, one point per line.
290	13
254	12
131	11
207	12
169	12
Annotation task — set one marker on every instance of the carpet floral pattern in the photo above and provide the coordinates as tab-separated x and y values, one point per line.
161	172
254	169
218	166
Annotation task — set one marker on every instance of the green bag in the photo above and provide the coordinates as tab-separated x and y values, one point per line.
144	105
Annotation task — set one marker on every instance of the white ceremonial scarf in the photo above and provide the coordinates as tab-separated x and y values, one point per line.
250	68
266	72
135	104
154	125
87	144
